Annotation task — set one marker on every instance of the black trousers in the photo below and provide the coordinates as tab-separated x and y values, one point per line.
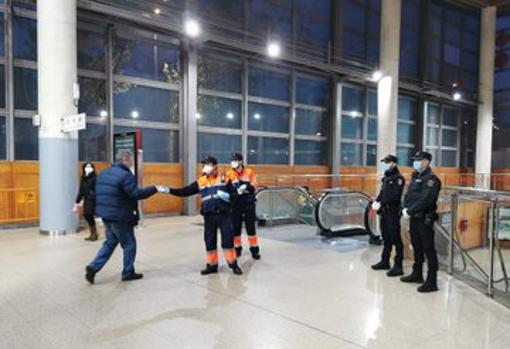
244	213
390	228
213	222
89	218
422	239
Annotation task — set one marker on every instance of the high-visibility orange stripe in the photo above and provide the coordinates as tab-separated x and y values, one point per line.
230	255
253	241
237	241
212	257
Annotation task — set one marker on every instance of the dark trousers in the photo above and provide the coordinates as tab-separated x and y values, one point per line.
89	218
245	213
422	239
390	228
116	233
223	222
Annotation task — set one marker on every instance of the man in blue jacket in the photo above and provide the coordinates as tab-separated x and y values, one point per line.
117	196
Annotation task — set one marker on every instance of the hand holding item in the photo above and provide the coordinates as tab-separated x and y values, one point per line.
376	206
405	214
76	208
223	196
162	189
242	189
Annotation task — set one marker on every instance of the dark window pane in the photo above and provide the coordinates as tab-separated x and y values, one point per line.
310	153
451	54
310	91
263	83
310	122
435	157
145	103
450	117
371	155
320	8
25	38
2	35
354	44
372	129
313	31
263	150
2	86
268	17
25	140
25	88
219	112
91	50
3	144
449	138
354	16
231	10
372	103
352	127
157	145
215	74
92	143
405	133
264	117
406	109
92	97
433	114
404	156
448	158
351	154
219	146
352	99
146	60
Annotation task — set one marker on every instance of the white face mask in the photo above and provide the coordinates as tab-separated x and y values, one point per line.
234	164
88	170
208	169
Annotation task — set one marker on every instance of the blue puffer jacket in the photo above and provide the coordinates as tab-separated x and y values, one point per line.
117	195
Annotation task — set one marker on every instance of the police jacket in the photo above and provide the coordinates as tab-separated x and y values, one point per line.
391	189
87	193
208	187
245	177
423	192
117	195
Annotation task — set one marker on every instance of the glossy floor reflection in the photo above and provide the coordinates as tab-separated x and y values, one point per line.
299	295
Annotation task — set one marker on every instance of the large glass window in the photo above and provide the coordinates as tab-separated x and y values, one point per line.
25	88
265	150
92	143
92	97
2	35
25	38
351	154
312	122
266	117
158	145
314	18
218	145
25	140
2	86
3	144
406	129
219	112
442	134
311	91
220	75
266	16
410	38
310	153
268	84
91	50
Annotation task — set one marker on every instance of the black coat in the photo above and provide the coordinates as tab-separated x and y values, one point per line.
391	188
88	194
423	193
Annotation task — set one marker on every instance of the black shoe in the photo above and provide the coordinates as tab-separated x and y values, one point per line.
428	287
255	252
413	277
395	271
382	265
132	277
90	274
239	251
209	269
235	268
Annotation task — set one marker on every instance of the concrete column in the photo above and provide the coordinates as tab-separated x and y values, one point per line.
336	129
58	151
189	122
483	157
387	89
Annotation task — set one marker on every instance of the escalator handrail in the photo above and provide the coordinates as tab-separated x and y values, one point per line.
301	191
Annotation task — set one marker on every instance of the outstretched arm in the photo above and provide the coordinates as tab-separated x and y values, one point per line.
189	190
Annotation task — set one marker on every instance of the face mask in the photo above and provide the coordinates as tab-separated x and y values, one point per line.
386	166
88	170
417	166
234	164
208	169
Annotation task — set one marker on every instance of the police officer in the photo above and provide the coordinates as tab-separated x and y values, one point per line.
387	205
245	182
217	195
420	204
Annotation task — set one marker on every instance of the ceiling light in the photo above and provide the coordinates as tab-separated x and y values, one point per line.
273	49
103	113
134	114
191	28
230	116
377	75
457	96
157	11
256	116
198	115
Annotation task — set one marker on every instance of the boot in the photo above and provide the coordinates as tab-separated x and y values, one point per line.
430	285
382	265
239	251
93	234
209	269
90	274
415	276
132	277
235	268
255	252
396	270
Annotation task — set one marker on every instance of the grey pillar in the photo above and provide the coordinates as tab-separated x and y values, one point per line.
483	157
387	90
58	151
189	122
336	123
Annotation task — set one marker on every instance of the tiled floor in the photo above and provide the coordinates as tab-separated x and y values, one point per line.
297	296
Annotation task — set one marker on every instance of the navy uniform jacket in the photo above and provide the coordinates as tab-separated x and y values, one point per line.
422	194
117	195
391	189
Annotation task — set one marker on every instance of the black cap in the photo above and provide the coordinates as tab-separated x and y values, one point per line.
390	158
209	160
237	157
421	155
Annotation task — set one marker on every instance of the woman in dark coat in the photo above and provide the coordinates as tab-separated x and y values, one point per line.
88	194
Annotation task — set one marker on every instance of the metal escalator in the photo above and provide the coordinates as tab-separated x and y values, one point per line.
337	212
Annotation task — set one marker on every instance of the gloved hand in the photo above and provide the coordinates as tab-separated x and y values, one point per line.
242	189
222	195
405	214
376	206
76	208
162	189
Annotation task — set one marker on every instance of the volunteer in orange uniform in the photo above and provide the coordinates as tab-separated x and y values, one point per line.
217	195
245	181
